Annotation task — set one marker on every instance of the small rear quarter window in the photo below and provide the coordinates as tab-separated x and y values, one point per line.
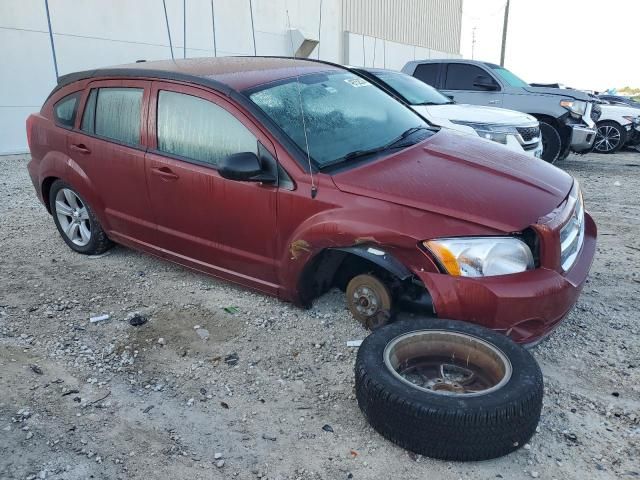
65	110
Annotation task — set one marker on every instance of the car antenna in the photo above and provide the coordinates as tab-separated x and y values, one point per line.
314	188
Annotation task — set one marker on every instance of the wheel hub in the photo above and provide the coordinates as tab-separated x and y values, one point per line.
366	301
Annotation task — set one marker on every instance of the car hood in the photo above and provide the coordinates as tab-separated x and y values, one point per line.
617	111
474	113
465	178
561	92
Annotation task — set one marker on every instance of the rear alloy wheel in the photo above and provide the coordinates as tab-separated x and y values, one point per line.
447	389
73	217
551	142
75	220
368	300
610	137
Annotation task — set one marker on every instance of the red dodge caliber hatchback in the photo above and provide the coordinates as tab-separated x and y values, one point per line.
293	176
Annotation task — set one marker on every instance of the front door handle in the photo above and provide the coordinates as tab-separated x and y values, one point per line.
165	173
493	102
80	147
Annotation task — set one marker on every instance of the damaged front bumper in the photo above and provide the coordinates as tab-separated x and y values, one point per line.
525	306
582	138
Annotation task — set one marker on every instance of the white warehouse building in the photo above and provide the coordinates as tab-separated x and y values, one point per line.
43	39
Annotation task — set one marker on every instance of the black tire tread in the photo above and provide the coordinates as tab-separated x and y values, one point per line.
449	433
557	139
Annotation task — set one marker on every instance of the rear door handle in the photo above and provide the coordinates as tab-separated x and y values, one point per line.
493	102
79	147
165	173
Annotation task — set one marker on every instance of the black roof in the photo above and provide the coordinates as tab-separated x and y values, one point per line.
224	74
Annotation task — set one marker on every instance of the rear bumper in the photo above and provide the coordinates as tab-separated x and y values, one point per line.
582	138
525	306
32	168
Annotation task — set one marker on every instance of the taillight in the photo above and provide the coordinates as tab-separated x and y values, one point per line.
30	120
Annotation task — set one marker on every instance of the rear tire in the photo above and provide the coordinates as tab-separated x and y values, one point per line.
610	137
447	389
76	221
551	142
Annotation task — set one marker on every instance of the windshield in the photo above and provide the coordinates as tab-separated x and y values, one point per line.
415	91
343	114
509	77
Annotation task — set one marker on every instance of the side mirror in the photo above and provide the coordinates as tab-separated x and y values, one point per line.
244	167
485	82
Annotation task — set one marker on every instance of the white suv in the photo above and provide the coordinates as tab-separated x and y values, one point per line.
618	125
516	130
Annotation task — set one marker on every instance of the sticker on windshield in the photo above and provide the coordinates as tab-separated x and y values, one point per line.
357	82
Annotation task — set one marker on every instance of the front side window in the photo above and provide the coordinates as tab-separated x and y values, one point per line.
65	110
462	77
509	77
413	90
200	130
114	113
344	115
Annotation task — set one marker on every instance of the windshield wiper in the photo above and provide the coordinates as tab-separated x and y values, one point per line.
448	102
395	143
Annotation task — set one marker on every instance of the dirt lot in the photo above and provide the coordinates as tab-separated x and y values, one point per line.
165	399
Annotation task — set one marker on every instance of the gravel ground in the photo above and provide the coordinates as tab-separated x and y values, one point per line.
225	383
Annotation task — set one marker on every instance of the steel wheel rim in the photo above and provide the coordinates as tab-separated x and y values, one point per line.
447	363
73	217
607	138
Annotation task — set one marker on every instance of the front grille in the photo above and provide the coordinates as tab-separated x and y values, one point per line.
572	234
596	111
529	133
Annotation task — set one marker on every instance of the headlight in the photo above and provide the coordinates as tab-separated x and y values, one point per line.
576	107
497	133
481	256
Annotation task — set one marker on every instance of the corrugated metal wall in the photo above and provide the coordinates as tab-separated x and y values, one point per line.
427	23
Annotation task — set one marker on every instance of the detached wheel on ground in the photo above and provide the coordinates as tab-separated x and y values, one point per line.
610	137
369	300
551	142
76	221
448	389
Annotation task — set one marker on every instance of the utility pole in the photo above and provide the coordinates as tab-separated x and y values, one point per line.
473	43
504	33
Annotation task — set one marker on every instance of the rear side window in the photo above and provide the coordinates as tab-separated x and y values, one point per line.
114	113
462	77
65	110
200	130
428	73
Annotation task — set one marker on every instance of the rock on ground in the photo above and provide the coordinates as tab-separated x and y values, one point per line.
159	400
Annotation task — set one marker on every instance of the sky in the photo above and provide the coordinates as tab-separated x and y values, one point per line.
585	44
